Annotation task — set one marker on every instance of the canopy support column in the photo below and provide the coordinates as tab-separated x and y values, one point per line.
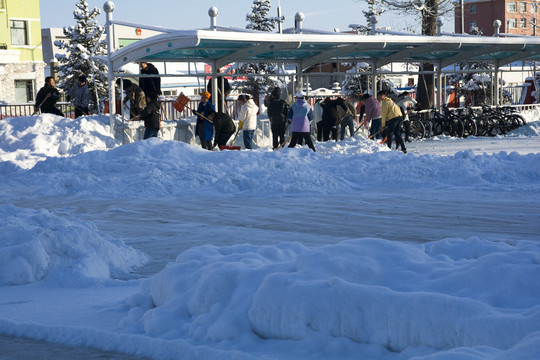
109	8
373	79
497	89
299	77
214	84
439	87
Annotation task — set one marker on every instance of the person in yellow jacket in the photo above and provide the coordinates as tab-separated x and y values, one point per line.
391	120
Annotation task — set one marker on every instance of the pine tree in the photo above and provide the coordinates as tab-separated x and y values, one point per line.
259	21
356	81
82	39
371	14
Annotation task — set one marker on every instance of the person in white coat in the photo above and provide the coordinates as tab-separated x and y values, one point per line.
247	120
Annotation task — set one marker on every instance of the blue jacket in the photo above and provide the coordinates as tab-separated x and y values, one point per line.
208	127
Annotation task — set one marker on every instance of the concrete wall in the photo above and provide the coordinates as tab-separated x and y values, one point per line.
184	130
10	71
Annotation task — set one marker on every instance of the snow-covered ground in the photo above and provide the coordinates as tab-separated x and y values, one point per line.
163	250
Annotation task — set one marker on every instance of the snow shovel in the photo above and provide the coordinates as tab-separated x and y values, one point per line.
181	103
231	147
286	140
78	107
370	136
39	107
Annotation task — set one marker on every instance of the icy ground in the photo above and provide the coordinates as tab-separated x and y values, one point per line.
163	250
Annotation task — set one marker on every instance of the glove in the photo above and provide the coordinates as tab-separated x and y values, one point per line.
240	125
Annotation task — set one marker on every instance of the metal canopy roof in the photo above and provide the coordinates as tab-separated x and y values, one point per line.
225	46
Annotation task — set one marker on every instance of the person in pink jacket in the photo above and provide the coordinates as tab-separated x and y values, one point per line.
373	113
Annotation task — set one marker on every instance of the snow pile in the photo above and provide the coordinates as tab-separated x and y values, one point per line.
530	129
169	168
27	140
443	295
35	245
340	293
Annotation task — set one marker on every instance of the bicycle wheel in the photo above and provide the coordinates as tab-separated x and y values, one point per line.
469	127
417	130
494	126
482	125
427	127
437	125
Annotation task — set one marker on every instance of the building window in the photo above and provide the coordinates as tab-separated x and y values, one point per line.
24	91
523	7
472	9
511	6
511	23
2	4
522	23
18	32
473	25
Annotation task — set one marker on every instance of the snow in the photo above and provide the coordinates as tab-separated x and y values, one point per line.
159	248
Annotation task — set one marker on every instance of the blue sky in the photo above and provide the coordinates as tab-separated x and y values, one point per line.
320	14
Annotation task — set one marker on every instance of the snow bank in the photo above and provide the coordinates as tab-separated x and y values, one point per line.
37	245
444	295
146	169
29	139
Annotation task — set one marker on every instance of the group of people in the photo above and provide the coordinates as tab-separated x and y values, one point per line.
218	125
333	116
48	96
144	103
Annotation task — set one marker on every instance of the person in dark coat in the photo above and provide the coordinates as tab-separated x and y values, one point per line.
47	97
224	88
204	129
150	84
277	113
79	95
333	112
223	127
135	95
151	116
348	120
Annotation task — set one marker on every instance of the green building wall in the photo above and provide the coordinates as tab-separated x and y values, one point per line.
27	11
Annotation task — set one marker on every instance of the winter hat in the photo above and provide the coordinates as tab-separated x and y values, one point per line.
206	94
299	94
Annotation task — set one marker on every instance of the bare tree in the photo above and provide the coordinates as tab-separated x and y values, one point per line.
428	11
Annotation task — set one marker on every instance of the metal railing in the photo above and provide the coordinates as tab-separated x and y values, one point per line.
169	112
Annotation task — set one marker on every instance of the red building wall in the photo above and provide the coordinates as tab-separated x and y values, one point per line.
484	13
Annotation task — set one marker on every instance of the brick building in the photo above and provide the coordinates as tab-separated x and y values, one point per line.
517	16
